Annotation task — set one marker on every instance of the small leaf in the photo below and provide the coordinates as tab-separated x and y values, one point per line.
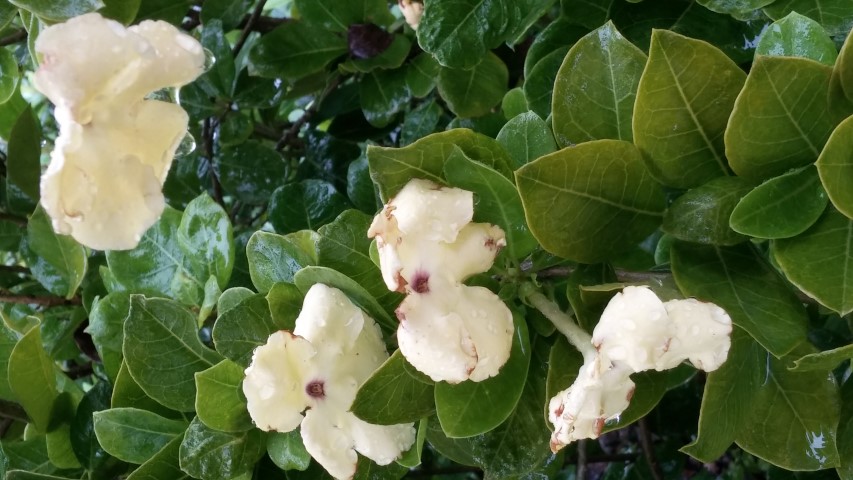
824	361
287	451
685	96
32	376
219	402
595	88
251	171
421	74
23	167
63	261
702	214
228	11
106	322
156	329
591	201
459	33
473	92
205	232
781	207
419	122
305	205
514	103
526	137
210	455
392	396
294	50
735	8
276	258
539	84
818	261
238	331
134	435
797	36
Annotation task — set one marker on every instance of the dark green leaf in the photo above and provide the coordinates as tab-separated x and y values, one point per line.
172	11
835	165
238	331
9	75
797	36
134	435
128	394
287	451
83	440
205	232
702	214
163	465
305	205
539	84
336	16
276	258
383	93
459	33
473	92
834	15
526	138
219	402
421	74
230	12
392	396
295	50
420	122
58	10
251	171
62	261
824	361
210	455
8	340
308	276
106	326
845	433
514	103
32	377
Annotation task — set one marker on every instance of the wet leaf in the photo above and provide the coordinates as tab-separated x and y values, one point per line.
62	262
32	376
241	329
309	204
834	15
797	36
219	402
337	17
526	137
134	435
276	258
702	214
295	50
459	33
383	93
251	171
475	91
835	165
207	454
392	396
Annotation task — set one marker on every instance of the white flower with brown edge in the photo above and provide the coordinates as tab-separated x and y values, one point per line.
310	377
114	150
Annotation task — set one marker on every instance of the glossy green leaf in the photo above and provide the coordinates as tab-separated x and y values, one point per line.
526	137
797	36
539	84
514	103
128	394
412	457
218	81
734	7
727	400
22	475
684	100
285	303
650	387
287	451
134	435
823	361
842	72
818	261
156	329
294	50
305	205
845	433
392	396
9	75
238	331
589	202
522	15
383	93
781	207
64	257
337	17
308	276
595	88
211	455
497	200
219	402
421	74
459	33
163	465
472	408
106	326
474	92
58	10
795	427
419	122
781	119
835	164
834	15
27	454
746	287
32	377
205	230
276	258
392	168
702	214
230	12
251	171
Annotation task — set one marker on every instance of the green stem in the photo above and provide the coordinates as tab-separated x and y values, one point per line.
562	321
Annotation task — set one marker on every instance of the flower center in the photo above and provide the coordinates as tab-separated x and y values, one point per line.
420	282
315	389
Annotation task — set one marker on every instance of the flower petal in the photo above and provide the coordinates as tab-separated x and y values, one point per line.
381	443
702	334
328	443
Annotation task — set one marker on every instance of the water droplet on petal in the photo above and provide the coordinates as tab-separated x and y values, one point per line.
186	147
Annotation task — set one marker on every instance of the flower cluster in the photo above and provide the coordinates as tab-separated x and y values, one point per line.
320	366
636	332
114	150
427	248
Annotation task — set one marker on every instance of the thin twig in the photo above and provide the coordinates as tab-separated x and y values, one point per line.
648	449
22	221
14	37
44	300
293	132
247	29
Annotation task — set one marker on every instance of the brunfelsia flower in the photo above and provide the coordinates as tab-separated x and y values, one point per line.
636	332
427	248
317	369
114	149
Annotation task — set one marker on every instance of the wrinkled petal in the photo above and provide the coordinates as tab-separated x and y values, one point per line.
381	443
602	391
329	444
276	379
455	332
103	185
702	334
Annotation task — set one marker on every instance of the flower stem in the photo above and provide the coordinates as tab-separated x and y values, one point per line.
562	321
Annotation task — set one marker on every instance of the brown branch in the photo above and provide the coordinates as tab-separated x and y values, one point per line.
15	37
292	133
22	221
247	28
44	300
648	449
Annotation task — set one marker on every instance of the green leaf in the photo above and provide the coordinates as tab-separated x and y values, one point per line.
218	81
308	276
539	84
82	430
460	32
383	93
134	435
308	204
251	171
591	201
514	103
294	50
835	165
736	8
421	74
337	17
702	214
22	475
285	303
219	402
595	88
210	455
684	100
230	12
412	457
818	261
746	287
419	122
472	408
781	119
28	454
392	396
474	91
727	400
238	331
392	58
842	73
497	200
172	11
796	427
58	10
163	465
650	387
781	207
824	361
32	377
392	168
205	230
797	36
157	329
526	137
9	76
8	340
128	394
276	258
67	258
834	15
106	326
287	451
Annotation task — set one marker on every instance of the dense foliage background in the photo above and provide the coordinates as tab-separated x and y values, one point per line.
701	147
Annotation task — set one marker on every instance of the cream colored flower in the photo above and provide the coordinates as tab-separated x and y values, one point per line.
319	367
114	150
412	11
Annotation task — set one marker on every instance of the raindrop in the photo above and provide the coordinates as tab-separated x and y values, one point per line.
186	147
209	60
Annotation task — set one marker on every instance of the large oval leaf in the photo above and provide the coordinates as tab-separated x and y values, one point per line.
526	137
835	167
220	403
60	262
134	435
702	214
590	202
473	92
684	100
238	331
797	36
834	15
212	455
459	32
294	50
392	395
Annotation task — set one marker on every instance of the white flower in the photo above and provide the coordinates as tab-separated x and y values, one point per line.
602	391
412	11
114	148
644	333
334	348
